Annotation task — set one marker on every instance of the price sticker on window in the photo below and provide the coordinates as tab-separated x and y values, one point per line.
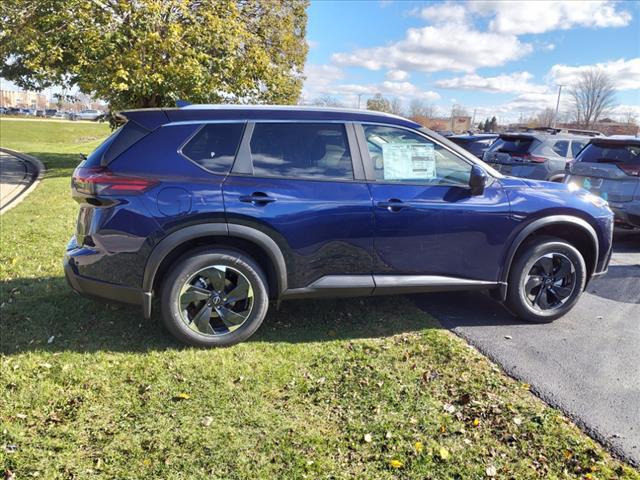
409	161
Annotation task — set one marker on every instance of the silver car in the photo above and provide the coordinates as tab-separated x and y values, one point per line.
539	155
610	168
88	114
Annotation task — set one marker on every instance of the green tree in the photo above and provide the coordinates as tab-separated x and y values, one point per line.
150	53
379	103
493	124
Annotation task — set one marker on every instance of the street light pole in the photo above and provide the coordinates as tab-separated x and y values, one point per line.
555	117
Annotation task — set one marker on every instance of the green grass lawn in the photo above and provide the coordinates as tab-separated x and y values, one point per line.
367	388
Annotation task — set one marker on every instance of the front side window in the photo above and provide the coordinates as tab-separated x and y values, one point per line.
399	155
214	146
576	147
309	150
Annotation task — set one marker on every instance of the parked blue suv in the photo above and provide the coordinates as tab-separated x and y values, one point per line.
214	211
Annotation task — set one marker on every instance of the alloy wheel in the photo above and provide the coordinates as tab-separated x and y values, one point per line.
216	300
550	282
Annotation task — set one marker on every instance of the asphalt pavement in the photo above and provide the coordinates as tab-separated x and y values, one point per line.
586	363
17	173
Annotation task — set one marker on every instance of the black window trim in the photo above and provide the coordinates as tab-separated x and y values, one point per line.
243	165
197	130
368	164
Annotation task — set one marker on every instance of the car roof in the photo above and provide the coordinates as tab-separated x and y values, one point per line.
155	117
543	136
616	140
472	136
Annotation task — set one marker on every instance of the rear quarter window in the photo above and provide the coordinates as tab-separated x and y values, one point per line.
115	144
214	146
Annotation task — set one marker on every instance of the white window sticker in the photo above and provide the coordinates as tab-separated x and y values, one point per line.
407	161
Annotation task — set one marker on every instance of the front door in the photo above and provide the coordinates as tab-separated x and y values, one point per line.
426	221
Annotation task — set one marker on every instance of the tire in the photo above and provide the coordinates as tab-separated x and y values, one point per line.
197	298
538	278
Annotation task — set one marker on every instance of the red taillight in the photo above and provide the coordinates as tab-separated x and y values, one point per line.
526	157
101	181
630	169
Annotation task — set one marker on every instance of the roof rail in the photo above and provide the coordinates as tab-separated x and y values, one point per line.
588	133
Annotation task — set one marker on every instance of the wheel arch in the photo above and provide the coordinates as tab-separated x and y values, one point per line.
253	242
577	231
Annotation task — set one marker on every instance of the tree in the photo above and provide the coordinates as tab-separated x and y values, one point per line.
459	111
545	117
420	108
379	103
327	101
493	124
592	96
395	106
150	53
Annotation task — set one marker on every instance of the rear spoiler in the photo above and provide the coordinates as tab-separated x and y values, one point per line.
147	118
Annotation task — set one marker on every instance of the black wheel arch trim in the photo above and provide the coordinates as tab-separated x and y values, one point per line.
175	239
535	225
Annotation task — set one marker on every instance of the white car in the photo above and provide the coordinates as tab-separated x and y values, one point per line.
88	115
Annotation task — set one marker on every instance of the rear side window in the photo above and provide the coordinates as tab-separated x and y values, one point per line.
214	146
311	150
610	153
512	144
576	147
561	147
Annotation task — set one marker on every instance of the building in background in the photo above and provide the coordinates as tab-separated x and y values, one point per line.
23	99
457	123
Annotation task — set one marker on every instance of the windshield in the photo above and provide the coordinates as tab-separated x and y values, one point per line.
610	153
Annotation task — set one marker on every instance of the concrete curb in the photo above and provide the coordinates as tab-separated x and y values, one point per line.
37	175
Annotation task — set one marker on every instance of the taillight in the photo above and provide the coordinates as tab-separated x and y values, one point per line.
101	181
526	157
630	169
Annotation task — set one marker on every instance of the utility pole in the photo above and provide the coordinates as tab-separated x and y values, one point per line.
555	117
473	122
359	95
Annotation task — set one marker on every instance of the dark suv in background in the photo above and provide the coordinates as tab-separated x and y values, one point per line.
213	211
537	154
476	143
610	168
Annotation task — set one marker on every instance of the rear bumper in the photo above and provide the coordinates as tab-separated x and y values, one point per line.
90	287
627	213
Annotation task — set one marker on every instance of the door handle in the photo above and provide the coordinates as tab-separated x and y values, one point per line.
257	198
393	205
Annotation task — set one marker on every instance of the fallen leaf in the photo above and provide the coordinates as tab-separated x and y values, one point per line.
388	435
419	446
51	338
464	399
476	422
443	453
517	421
491	471
207	421
368	438
395	463
182	396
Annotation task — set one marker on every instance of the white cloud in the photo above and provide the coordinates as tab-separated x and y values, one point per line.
319	78
403	90
539	16
397	75
516	82
624	73
454	47
444	13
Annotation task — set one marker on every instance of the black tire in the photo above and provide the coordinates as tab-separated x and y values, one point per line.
190	265
527	268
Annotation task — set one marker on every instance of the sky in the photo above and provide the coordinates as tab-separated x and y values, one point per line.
495	57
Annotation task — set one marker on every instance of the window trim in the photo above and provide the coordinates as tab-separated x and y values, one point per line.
243	165
197	130
368	164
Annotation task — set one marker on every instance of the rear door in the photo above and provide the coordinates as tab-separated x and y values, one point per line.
302	183
609	169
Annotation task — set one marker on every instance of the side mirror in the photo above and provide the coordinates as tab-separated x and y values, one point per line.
477	181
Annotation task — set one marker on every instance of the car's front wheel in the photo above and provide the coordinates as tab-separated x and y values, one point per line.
546	280
214	298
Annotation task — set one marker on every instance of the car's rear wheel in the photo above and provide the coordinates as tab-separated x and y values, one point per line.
546	280
214	298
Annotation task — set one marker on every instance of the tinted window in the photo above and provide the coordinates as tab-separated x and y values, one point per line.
130	133
312	150
214	146
561	147
610	153
399	155
512	144
576	147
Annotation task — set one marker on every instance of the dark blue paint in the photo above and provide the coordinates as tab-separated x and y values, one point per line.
321	227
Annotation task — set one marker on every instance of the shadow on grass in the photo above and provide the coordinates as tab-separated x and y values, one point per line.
35	310
57	164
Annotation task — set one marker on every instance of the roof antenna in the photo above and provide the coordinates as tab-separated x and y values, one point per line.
182	103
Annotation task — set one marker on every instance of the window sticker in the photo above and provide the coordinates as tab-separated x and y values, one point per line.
407	161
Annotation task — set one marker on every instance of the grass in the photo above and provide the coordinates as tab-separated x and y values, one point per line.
329	389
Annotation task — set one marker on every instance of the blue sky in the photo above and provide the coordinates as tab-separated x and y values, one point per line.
497	57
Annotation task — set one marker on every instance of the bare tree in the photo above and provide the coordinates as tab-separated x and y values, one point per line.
592	96
459	111
395	106
545	117
327	101
420	108
379	103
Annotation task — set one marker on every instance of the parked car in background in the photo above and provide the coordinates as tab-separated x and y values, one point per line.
216	210
88	114
40	113
50	112
610	168
3	110
445	133
477	143
536	154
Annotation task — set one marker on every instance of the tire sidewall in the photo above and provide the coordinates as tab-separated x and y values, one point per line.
518	301
191	264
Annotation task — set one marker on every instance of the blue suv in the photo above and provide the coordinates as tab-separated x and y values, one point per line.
212	212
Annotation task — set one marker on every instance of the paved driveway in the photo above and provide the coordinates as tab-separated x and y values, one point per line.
15	177
586	363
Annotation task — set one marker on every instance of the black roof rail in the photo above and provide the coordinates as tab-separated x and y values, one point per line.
588	133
